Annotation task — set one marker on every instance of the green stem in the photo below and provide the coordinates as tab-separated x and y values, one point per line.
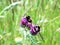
42	37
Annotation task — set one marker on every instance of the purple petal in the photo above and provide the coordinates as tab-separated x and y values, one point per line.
23	22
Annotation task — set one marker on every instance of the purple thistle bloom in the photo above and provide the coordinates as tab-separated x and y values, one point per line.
26	21
34	30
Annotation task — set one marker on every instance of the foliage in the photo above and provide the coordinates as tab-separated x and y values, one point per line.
45	13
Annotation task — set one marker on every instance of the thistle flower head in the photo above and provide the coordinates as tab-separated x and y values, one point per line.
34	30
26	21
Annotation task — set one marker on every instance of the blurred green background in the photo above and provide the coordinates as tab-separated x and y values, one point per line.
45	13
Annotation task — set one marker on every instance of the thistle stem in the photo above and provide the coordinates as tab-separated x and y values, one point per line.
42	37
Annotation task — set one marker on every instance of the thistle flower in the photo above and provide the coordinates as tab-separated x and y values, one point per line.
26	21
35	30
